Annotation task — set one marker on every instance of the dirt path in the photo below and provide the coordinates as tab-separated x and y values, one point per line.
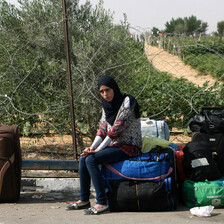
165	62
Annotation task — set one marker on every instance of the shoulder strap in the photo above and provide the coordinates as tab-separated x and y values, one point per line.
133	178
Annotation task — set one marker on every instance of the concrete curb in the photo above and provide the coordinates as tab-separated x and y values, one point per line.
51	184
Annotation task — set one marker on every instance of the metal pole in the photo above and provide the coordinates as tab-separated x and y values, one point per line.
67	51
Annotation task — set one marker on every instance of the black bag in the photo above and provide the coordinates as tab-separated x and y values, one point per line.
198	162
10	164
216	143
207	121
130	195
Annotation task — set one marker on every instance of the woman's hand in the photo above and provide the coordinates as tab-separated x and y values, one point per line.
96	150
87	151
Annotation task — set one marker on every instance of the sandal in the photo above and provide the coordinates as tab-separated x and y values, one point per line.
70	202
75	205
94	211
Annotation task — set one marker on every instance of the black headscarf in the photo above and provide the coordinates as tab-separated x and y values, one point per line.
111	108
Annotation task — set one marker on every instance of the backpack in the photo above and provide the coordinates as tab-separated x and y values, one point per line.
199	164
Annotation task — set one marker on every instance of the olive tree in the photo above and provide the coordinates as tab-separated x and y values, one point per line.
220	29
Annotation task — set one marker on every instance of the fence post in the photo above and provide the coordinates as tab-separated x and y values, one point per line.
67	51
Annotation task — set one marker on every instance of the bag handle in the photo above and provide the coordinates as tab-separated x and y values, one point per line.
4	168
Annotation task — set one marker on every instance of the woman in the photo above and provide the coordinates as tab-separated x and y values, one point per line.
118	138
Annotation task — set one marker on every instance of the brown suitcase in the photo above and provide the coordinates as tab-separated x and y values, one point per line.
10	164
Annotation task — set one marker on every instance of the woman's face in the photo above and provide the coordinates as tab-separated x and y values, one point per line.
107	93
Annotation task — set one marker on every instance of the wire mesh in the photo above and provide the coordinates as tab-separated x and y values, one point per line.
172	76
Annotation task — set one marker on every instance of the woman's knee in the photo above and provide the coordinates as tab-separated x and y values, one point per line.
90	160
82	162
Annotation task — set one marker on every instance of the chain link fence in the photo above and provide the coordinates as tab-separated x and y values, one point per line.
171	76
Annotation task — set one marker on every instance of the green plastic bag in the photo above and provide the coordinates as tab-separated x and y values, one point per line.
149	142
195	194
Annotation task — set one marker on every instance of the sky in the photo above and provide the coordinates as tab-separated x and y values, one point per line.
155	13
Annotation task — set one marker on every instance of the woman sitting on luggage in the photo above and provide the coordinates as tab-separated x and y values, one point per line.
118	138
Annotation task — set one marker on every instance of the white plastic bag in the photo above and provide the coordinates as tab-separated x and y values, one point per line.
202	211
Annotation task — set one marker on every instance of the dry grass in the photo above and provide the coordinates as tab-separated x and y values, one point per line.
60	147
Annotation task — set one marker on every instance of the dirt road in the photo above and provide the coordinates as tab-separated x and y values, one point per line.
165	62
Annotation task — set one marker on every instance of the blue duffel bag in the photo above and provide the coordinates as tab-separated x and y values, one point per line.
152	166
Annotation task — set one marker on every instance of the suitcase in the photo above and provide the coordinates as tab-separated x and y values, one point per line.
216	143
143	183
198	162
133	195
10	164
196	194
181	176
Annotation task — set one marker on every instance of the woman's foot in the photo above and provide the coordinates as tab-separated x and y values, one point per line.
97	206
78	205
97	209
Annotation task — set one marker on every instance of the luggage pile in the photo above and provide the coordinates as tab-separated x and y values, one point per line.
147	182
204	160
165	173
